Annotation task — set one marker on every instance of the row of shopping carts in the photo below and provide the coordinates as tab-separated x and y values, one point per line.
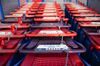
42	34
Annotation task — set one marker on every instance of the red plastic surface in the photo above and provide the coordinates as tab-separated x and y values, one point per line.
9	46
46	15
51	60
85	15
4	58
36	33
88	24
16	34
85	11
12	44
88	19
31	13
95	39
46	20
19	26
37	0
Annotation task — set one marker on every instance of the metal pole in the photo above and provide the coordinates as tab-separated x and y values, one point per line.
27	1
67	58
1	11
18	3
77	1
43	0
